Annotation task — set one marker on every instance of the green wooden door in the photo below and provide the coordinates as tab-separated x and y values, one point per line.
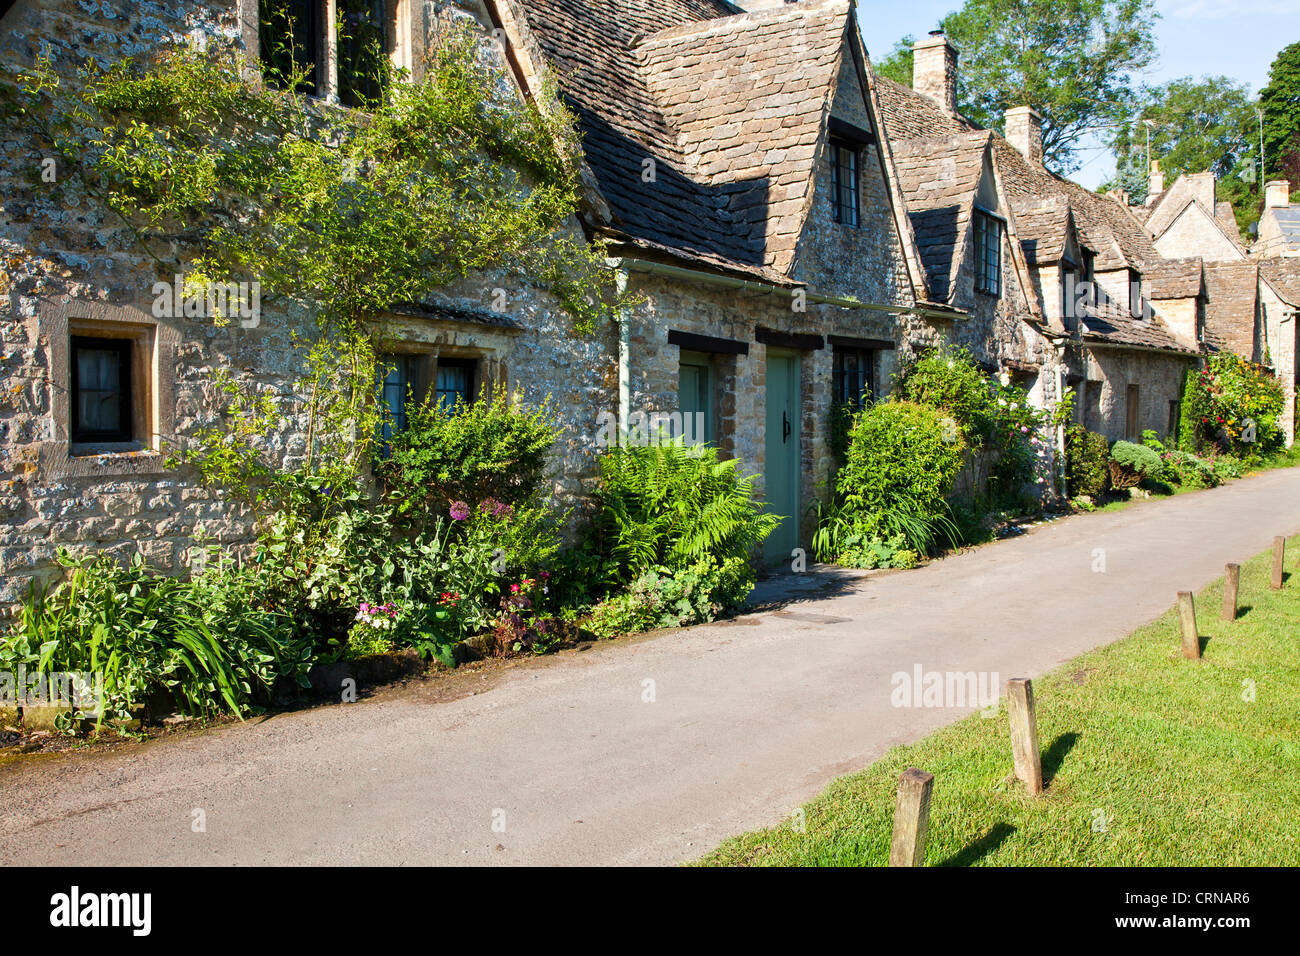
781	472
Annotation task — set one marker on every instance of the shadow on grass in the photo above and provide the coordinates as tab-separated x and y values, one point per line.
1205	642
1055	755
998	834
1243	610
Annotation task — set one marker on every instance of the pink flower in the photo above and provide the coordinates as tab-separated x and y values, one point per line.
459	511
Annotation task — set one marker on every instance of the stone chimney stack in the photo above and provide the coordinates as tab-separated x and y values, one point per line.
934	70
1202	185
1025	132
1277	192
1155	179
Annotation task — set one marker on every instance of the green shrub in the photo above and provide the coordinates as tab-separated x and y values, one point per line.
902	460
207	646
490	448
948	379
663	598
671	505
1189	470
1137	459
1236	405
1087	457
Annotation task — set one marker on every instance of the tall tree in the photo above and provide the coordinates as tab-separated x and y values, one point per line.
1194	125
1071	60
1280	102
897	64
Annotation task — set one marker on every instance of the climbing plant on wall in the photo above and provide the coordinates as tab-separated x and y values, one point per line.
338	212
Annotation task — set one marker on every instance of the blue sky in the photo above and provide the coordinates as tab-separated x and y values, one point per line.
1236	38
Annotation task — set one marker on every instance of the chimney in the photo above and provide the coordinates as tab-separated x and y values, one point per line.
1155	179
1024	128
1202	186
934	70
1277	192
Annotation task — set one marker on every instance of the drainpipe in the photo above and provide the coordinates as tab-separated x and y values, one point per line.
624	354
1060	427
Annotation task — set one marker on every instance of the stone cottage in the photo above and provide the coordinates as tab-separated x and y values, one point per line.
1089	325
750	197
735	163
1279	225
80	331
1247	310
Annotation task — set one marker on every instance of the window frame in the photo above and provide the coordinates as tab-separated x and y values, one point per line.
866	371
469	364
708	390
840	147
982	219
398	27
125	351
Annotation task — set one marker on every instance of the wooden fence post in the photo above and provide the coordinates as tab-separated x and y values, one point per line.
1024	733
1191	636
1279	555
911	818
1231	583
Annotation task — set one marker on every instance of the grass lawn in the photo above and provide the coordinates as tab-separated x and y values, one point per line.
1149	759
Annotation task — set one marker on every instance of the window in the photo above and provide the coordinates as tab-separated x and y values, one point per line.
1131	413
455	382
988	253
291	33
1092	405
398	387
844	182
695	396
296	34
361	51
101	390
1175	413
853	376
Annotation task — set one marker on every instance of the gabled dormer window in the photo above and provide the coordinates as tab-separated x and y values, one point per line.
987	239
844	182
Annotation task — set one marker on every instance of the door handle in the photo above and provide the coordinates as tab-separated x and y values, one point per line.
785	428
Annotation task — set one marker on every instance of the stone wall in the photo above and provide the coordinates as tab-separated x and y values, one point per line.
1102	406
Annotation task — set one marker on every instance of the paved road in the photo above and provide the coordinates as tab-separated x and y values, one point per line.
749	718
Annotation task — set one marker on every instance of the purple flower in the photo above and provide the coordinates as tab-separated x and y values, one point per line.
459	511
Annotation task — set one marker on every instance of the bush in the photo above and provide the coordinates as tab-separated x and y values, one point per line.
1087	457
205	646
672	505
1236	405
947	379
663	598
902	460
491	448
1188	470
1135	460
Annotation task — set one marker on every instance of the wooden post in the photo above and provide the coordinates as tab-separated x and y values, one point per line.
1191	636
1231	581
1279	555
911	818
1024	733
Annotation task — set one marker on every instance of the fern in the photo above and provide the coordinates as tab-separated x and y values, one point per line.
669	505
